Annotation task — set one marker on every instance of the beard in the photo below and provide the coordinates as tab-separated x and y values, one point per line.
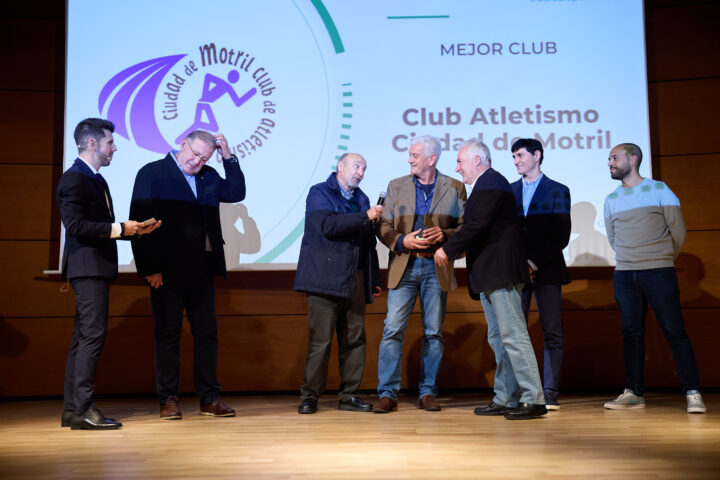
620	173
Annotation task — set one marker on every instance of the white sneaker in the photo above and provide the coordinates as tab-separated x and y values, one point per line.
627	400
695	402
551	402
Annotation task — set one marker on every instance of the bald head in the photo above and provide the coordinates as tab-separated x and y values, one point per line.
350	170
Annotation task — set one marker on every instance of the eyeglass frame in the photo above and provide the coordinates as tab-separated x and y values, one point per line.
195	154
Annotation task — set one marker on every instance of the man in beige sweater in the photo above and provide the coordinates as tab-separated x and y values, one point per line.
646	229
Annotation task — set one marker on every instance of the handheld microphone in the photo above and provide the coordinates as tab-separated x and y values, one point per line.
381	202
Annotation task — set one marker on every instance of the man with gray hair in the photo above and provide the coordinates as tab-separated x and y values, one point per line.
422	211
497	269
181	261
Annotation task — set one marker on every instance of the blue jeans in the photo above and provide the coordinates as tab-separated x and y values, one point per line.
634	289
419	276
517	378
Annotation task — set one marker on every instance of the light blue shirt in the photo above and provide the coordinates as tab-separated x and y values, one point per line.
528	191
347	194
190	178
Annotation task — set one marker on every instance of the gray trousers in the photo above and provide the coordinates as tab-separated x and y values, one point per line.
346	316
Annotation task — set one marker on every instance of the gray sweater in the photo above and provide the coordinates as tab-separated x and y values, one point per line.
644	225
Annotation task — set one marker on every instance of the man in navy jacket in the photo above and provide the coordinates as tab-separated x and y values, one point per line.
338	269
89	262
543	206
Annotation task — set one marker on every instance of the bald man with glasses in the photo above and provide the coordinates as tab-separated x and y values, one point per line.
180	265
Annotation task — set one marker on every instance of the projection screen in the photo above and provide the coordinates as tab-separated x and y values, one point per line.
293	84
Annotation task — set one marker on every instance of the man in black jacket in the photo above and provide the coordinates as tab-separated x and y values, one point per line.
181	261
89	262
496	271
543	206
338	269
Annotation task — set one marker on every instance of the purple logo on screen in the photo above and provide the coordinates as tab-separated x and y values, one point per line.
157	103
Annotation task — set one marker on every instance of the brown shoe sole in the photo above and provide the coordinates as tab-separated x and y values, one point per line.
382	410
172	417
430	409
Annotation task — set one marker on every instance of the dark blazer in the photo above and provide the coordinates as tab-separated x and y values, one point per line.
491	237
89	251
546	229
178	248
332	243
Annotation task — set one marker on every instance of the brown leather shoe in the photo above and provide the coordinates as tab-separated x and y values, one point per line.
217	409
429	404
170	410
385	405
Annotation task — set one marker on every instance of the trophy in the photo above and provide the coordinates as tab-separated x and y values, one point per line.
428	223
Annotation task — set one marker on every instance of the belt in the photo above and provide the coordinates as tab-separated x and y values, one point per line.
422	254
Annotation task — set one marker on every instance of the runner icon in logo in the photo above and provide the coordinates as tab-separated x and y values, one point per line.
213	89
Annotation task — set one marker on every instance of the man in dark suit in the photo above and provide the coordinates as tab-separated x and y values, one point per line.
181	261
543	206
89	262
497	270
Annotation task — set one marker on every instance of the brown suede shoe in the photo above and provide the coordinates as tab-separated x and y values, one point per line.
170	410
385	405
429	404
217	409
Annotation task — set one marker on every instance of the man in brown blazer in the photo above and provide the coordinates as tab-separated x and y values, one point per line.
421	212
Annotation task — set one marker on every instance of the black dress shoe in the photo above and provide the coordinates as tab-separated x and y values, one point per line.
308	406
93	419
492	410
66	418
526	411
355	404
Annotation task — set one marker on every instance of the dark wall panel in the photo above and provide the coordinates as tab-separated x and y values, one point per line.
31	123
682	41
691	177
684	117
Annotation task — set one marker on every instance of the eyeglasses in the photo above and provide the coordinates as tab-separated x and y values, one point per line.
197	155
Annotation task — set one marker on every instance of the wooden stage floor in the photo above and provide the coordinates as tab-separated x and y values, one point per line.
268	439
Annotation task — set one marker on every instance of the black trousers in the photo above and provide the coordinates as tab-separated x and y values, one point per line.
92	297
198	301
346	316
549	303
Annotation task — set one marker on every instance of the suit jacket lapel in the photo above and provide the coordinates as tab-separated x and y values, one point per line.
109	199
178	176
407	195
100	187
517	191
440	190
105	193
540	191
200	184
